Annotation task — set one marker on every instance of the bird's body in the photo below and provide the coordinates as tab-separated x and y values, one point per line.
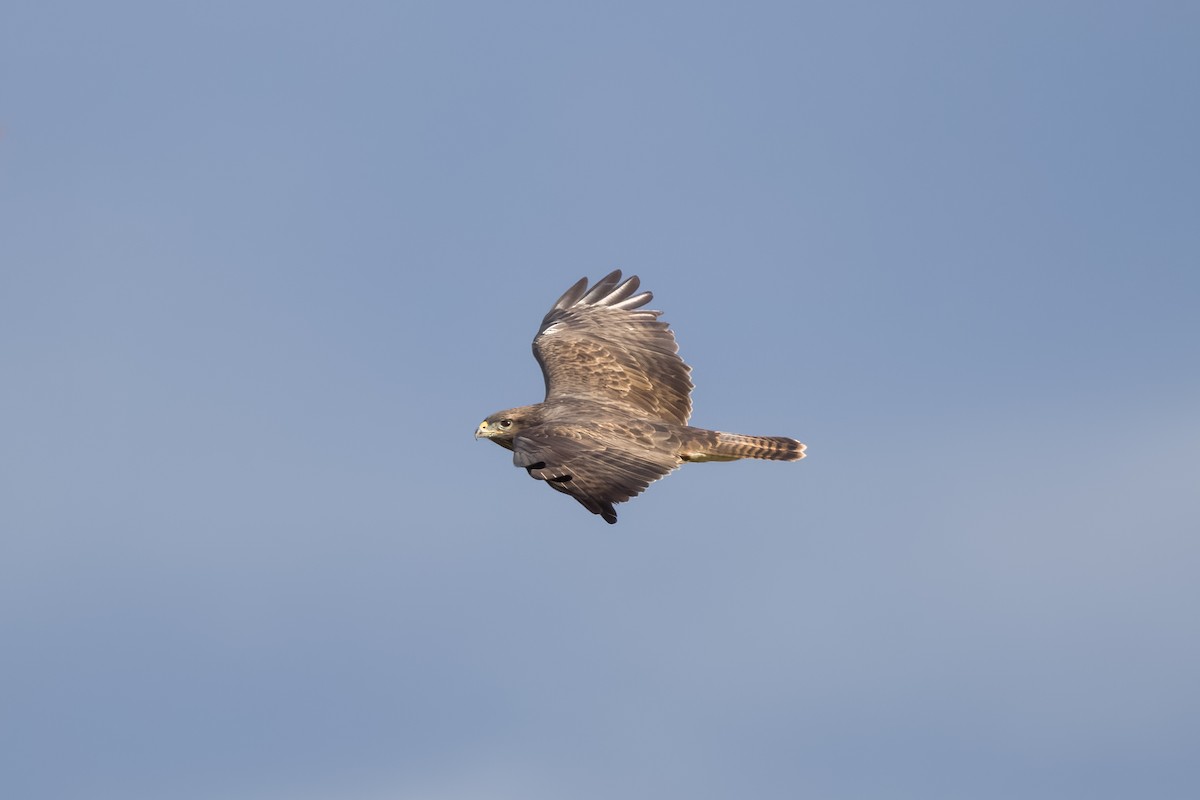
618	398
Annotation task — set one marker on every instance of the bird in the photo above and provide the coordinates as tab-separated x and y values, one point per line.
618	398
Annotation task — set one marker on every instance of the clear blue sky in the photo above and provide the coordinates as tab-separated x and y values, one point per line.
264	267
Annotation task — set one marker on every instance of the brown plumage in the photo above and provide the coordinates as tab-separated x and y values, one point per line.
618	398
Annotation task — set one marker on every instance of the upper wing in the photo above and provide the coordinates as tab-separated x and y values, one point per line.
599	343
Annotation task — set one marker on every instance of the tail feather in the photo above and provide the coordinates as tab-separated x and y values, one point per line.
719	446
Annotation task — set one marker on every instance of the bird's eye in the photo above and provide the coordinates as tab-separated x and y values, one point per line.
506	423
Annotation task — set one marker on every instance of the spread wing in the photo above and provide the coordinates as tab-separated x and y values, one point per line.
602	463
600	344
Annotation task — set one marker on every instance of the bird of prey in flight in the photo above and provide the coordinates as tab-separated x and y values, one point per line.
618	398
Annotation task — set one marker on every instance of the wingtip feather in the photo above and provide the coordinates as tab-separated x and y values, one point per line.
571	296
601	288
637	301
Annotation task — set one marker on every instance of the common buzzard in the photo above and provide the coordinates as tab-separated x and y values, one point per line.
618	397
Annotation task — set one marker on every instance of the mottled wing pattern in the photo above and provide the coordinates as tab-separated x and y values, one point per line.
600	344
599	463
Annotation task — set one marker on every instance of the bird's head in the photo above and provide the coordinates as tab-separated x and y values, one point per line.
502	426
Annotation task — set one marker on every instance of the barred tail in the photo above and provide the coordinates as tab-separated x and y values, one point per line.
717	446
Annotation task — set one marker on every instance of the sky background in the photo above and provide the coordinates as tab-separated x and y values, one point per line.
264	266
